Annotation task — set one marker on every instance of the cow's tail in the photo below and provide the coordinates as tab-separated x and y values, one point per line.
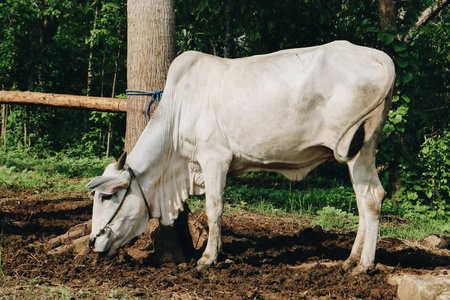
358	139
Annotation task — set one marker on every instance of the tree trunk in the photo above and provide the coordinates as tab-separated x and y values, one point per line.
228	29
151	49
388	20
91	54
113	94
388	24
4	123
388	16
25	126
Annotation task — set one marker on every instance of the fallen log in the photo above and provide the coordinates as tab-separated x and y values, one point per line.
73	233
159	241
61	100
79	246
75	239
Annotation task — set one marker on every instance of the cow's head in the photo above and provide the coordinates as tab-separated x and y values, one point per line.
119	212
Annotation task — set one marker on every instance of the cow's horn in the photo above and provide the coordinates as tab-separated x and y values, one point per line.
121	163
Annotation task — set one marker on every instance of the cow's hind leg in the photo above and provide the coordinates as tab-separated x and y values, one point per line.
214	173
355	255
369	196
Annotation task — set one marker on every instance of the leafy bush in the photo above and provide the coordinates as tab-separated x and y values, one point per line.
426	191
331	218
435	162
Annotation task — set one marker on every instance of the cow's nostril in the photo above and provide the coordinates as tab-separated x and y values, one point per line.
92	243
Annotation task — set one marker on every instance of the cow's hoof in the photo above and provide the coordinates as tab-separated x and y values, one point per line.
204	262
201	267
348	265
359	270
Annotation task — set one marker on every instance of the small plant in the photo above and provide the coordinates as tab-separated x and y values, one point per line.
62	292
334	218
114	294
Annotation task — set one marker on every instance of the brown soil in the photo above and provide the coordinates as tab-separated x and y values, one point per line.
264	257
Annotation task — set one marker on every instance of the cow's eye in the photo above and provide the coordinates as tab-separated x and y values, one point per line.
106	197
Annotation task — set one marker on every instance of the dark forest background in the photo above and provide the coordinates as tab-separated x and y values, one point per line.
79	47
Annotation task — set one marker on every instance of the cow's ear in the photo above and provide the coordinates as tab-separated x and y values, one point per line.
108	185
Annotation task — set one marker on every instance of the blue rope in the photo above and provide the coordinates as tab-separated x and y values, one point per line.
156	94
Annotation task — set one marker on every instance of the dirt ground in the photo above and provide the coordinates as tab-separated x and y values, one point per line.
264	257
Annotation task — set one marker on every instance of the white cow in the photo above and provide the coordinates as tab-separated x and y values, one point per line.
286	112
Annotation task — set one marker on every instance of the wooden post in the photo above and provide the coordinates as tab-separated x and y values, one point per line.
151	49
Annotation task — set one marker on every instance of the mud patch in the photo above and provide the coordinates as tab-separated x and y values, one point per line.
262	259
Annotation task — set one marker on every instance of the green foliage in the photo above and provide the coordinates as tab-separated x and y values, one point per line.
59	165
413	230
329	203
46	45
425	193
43	48
435	159
334	218
39	183
427	181
272	191
57	173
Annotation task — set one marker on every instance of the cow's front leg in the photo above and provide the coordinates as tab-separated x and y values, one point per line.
214	246
215	179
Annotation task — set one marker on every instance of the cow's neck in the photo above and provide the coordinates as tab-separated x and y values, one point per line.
162	172
152	146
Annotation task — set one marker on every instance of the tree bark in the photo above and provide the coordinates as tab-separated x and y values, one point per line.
228	29
151	49
388	24
91	54
388	20
4	124
388	15
113	94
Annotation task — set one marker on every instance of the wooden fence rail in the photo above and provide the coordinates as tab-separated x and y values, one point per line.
60	100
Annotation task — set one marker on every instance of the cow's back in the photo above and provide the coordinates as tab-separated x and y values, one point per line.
275	108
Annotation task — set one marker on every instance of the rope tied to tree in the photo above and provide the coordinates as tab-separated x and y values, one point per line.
157	94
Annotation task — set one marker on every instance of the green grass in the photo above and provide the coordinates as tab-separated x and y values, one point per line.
39	182
320	197
55	166
58	173
411	230
273	191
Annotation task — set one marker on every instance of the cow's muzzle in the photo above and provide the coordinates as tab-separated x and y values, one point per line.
104	243
92	243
